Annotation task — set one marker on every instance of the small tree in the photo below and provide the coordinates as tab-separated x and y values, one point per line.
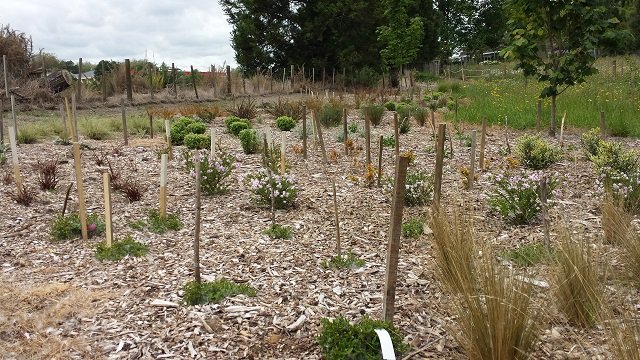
554	41
402	36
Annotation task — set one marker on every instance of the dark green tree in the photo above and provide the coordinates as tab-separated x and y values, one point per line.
554	40
402	36
109	66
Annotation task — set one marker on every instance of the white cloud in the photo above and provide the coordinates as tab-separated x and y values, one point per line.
186	33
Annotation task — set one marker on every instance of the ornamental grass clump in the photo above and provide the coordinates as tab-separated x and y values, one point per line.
535	153
516	197
283	188
618	173
373	113
214	171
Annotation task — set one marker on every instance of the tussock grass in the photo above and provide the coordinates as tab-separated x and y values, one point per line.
630	245
34	309
577	289
94	129
623	335
616	222
27	135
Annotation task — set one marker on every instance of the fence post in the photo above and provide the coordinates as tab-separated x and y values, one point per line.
79	79
107	208
228	80
193	80
127	77
175	78
437	180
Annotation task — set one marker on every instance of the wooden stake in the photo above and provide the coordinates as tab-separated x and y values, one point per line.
70	134
380	160
103	80
79	80
539	115
150	124
437	179
603	126
396	133
483	141
562	129
213	142
174	77
283	148
397	208
367	139
107	208
320	140
196	240
127	79
545	218
472	165
163	186
304	132
335	211
125	133
167	129
4	68
150	72
14	158
344	130
74	113
193	80
80	187
228	80
13	113
1	122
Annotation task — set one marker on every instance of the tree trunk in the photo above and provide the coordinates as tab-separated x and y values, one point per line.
552	127
394	78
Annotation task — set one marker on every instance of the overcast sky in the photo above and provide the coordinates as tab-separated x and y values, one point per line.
192	32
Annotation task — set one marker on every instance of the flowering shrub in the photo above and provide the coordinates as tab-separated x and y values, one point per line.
590	141
535	153
516	197
418	187
214	171
618	174
283	188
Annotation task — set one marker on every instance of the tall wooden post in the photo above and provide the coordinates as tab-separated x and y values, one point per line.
127	78
291	77
150	72
174	76
545	219
196	240
367	139
397	208
335	211
396	132
79	80
380	159
107	208
539	115
125	133
228	80
283	148
74	114
193	80
167	129
472	165
14	158
163	186
213	142
483	141
1	122
603	125
103	81
150	124
304	131
437	179
71	133
344	130
80	187
318	131
5	71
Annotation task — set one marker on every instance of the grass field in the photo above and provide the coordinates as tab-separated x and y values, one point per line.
515	99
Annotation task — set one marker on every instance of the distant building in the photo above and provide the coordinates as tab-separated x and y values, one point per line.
85	75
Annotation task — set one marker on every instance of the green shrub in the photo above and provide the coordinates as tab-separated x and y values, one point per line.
516	197
196	128
202	293
535	153
404	111
413	228
214	171
340	339
373	113
278	232
388	141
330	115
590	141
68	226
156	224
119	249
528	254
453	86
180	129
249	141
418	185
285	123
404	126
231	119
3	154
197	141
283	188
390	105
363	77
619	173
612	157
346	261
236	127
421	115
27	135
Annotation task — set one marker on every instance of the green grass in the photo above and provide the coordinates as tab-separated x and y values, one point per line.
156	224
516	99
212	292
279	232
348	260
94	129
68	227
119	249
413	228
528	255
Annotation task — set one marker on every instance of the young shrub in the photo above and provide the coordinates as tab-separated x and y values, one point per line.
413	228
421	115
454	252
196	128
495	315
419	187
528	254
282	187
158	225
231	119
279	232
388	141
619	174
95	129
590	141
373	113
405	126
67	227
197	141
516	197
330	115
120	249
202	293
340	339
3	154
236	127
24	197
180	129
535	153
390	105
246	109
131	188
214	172
249	141
285	123
404	111
47	173
578	292
616	221
346	261
27	135
288	108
